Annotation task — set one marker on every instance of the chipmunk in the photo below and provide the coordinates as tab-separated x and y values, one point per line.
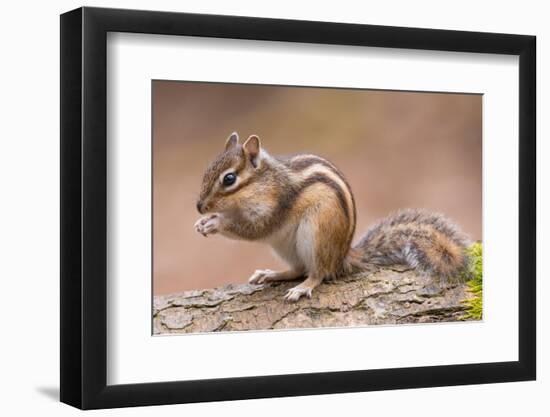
303	207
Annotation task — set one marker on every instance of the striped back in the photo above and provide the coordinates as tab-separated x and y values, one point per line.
313	169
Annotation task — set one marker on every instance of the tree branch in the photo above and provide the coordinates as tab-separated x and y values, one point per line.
386	296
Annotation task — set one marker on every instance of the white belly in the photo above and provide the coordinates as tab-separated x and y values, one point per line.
294	244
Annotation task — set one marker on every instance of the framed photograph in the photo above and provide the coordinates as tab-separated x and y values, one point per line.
259	208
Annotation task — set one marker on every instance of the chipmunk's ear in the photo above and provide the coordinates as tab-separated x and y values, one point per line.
252	150
232	141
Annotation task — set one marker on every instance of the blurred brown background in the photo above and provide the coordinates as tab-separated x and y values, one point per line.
397	149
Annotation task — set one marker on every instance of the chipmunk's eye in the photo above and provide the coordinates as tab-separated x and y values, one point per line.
229	179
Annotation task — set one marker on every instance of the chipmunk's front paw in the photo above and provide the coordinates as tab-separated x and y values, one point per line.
295	293
208	225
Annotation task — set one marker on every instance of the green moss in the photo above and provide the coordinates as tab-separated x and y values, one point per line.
474	277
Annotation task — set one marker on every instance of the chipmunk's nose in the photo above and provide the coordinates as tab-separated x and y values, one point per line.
200	206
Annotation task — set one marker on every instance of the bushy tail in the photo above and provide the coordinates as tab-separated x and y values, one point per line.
427	242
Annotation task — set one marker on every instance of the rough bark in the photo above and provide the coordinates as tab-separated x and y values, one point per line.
387	296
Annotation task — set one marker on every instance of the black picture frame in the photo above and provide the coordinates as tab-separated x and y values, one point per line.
84	207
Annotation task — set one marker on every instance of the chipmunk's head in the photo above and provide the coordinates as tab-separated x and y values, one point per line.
232	171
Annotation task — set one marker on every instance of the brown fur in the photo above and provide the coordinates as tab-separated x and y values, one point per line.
324	210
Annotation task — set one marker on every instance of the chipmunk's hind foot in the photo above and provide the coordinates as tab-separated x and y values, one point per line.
304	289
261	276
